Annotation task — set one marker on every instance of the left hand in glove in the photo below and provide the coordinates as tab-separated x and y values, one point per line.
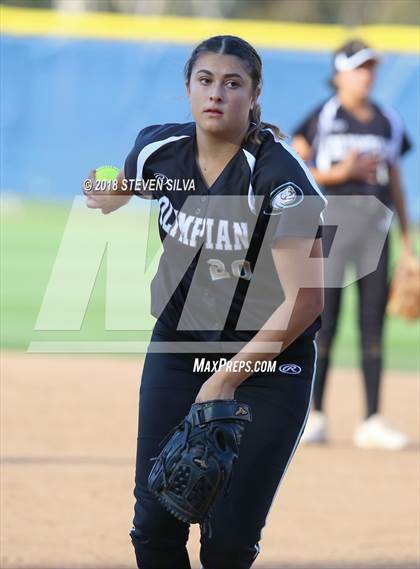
197	459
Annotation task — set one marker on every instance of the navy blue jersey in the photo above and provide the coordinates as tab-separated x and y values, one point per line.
216	275
333	132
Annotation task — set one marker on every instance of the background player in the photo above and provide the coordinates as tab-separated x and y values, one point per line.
229	153
354	145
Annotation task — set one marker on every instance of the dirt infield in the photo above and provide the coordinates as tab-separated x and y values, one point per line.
68	448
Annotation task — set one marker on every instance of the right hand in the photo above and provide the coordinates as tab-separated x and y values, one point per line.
359	167
105	200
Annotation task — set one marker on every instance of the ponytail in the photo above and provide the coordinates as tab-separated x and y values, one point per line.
256	126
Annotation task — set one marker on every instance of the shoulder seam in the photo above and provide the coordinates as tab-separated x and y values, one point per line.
153	147
301	163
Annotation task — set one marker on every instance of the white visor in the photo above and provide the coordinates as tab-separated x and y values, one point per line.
344	63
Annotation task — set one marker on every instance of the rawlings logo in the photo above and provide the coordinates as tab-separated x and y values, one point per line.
290	369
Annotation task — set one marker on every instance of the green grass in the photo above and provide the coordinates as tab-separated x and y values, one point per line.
31	235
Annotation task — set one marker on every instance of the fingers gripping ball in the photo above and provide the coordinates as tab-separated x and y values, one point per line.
197	459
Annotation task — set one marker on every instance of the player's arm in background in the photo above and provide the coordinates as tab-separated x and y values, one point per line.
398	199
396	186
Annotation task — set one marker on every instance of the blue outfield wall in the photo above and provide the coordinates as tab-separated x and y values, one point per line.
70	105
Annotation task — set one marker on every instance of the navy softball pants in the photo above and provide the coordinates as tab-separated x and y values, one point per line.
279	402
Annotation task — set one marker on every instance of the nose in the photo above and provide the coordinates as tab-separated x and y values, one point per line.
216	94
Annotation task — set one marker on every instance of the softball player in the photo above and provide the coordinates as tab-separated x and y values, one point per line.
254	202
354	145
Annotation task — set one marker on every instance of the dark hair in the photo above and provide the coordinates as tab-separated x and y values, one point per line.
351	47
233	45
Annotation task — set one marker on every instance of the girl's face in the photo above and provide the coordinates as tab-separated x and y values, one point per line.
221	94
359	81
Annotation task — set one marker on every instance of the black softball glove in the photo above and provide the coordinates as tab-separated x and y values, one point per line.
197	459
